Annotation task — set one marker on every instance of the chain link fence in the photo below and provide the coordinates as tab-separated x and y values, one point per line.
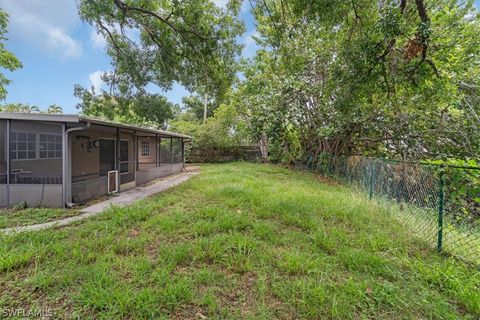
439	203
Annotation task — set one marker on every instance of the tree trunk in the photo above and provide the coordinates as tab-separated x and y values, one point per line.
264	147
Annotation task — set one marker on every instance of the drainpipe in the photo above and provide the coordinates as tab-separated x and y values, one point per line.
66	165
7	150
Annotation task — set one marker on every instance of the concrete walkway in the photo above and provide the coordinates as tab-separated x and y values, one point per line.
121	200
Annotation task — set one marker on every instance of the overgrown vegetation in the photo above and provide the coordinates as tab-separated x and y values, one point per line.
252	241
22	217
362	77
7	59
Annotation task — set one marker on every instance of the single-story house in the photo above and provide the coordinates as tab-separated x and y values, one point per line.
57	160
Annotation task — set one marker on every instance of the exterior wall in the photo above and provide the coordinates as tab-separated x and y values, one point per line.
147	162
146	176
3	195
36	195
85	156
89	189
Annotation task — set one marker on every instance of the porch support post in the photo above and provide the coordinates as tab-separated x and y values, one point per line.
8	161
135	155
156	150
171	153
183	153
64	164
117	152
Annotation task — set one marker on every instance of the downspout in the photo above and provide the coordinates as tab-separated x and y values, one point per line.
7	151
67	172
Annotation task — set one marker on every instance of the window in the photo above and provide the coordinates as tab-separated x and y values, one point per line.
28	145
145	148
50	146
22	146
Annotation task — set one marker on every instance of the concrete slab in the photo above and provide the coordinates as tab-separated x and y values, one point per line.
121	200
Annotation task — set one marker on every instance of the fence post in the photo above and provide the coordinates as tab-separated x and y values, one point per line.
372	180
441	202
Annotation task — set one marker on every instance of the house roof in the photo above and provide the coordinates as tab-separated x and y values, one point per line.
74	118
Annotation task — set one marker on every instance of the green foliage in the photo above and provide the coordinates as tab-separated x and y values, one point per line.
223	130
26	108
396	78
7	59
195	106
160	42
54	109
146	109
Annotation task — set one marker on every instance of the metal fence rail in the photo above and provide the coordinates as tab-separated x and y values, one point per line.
439	203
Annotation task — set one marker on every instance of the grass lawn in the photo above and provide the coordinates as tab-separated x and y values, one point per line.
23	217
238	241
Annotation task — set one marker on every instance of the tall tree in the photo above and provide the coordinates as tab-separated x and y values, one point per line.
147	109
192	42
54	109
7	59
371	77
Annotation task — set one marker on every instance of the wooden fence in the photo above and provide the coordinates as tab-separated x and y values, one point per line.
204	155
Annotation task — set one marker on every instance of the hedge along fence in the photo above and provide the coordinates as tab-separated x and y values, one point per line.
439	203
236	153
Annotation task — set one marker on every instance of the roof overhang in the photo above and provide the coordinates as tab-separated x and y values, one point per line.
73	118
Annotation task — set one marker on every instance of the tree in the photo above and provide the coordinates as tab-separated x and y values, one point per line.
192	42
195	105
54	109
390	78
225	129
19	107
7	59
147	109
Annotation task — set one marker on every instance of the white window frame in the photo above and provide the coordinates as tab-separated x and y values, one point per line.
37	146
54	142
145	148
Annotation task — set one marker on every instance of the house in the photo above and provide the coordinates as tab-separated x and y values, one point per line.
56	160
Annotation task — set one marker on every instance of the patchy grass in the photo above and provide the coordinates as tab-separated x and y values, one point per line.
23	217
238	241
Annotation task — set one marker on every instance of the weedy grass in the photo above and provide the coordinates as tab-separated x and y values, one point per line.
238	241
22	217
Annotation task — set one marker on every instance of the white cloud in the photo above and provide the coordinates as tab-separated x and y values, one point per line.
98	40
44	25
96	80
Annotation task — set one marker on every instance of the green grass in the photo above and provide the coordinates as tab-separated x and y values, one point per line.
22	217
238	241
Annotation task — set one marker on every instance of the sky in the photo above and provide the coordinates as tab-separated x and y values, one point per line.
58	50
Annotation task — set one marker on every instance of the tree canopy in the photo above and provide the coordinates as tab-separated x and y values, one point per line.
7	59
191	42
395	78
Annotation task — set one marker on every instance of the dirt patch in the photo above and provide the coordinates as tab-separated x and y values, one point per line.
192	168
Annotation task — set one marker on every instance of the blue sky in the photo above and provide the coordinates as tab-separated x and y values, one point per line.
58	50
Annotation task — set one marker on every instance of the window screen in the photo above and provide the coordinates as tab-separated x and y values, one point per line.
35	152
50	146
165	153
124	156
23	145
